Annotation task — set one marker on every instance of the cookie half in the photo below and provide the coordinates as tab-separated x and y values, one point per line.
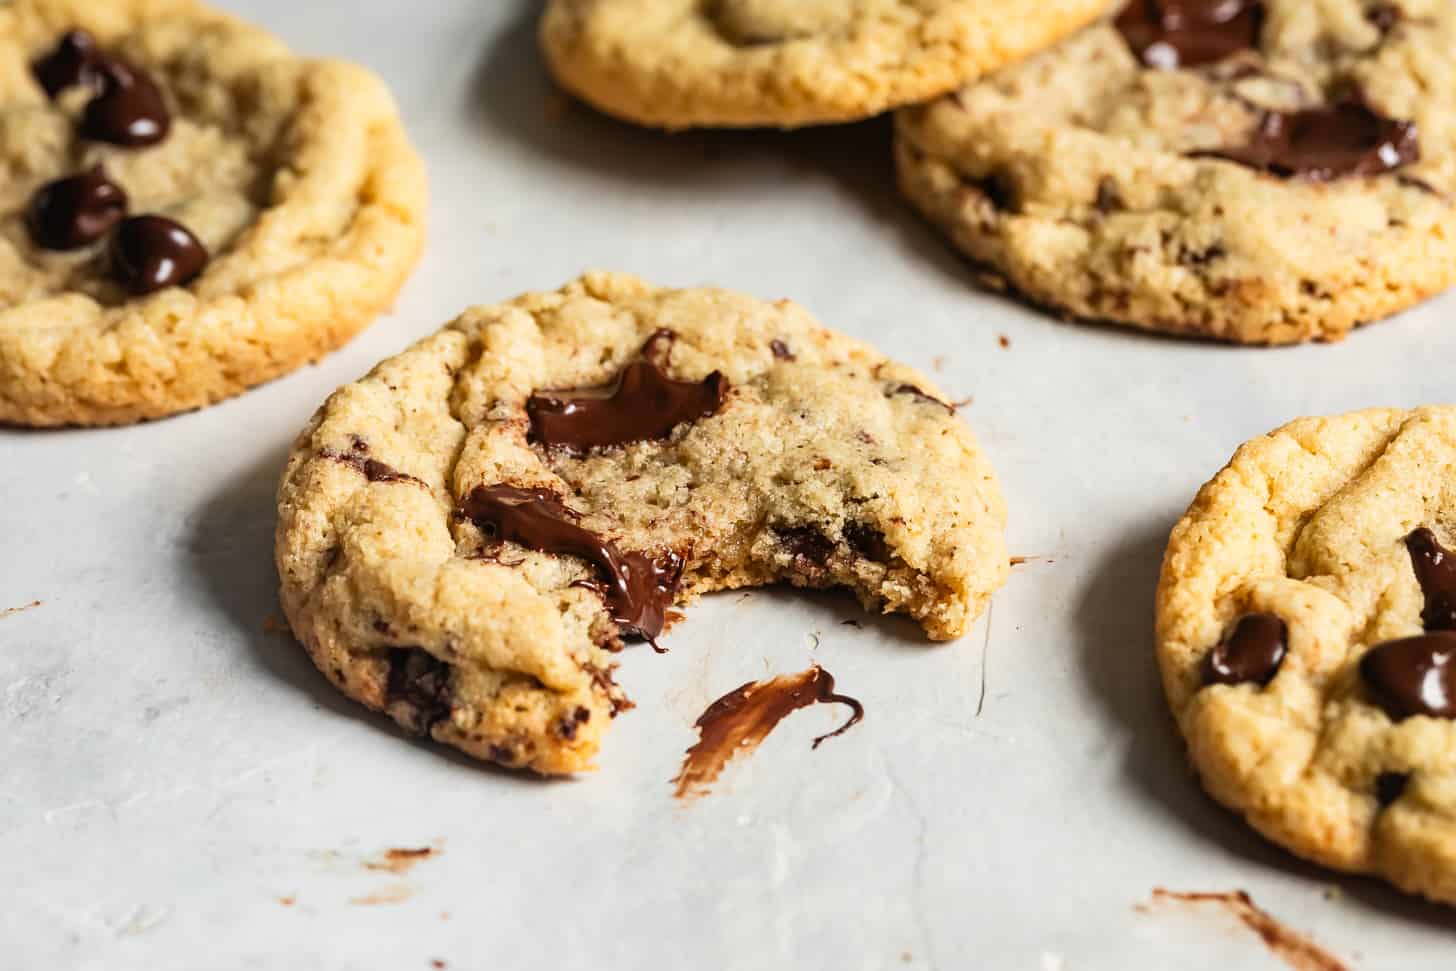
787	63
186	208
467	534
1260	171
1306	631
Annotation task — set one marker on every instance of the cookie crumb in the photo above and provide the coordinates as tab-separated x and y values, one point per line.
273	624
1004	341
287	901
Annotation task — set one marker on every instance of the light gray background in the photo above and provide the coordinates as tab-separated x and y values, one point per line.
171	769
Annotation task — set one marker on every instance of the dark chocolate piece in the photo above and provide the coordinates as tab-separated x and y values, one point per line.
372	469
1413	676
780	350
71	62
152	252
128	110
1324	144
1436	572
736	723
421	680
1250	653
644	404
1390	786
76	211
637	588
1168	34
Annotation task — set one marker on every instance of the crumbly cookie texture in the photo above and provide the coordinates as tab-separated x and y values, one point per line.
1321	527
825	465
1073	177
786	63
295	174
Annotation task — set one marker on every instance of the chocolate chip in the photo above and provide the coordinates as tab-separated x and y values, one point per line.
637	588
1202	257
1109	196
581	714
644	404
807	545
1384	17
152	252
1435	569
504	754
867	541
566	728
422	681
71	62
1250	653
1000	190
1169	34
73	212
1389	786
780	350
1323	144
1413	676
129	110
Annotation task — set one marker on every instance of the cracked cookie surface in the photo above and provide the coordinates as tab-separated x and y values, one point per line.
1106	188
1304	619
442	563
787	63
294	178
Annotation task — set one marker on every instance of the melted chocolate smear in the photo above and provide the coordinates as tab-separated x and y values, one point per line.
637	588
421	680
129	109
644	404
74	212
1251	653
1290	946
1168	34
372	469
736	723
1436	572
1413	676
73	61
1324	144
1390	786
149	253
921	396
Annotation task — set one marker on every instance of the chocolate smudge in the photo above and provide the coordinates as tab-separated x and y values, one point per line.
1289	946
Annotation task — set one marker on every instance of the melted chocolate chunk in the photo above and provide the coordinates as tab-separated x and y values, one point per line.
73	212
810	548
152	252
73	61
1389	786
1251	653
1436	572
867	541
637	588
421	680
129	110
1168	34
1323	144
736	723
372	469
1413	676
643	404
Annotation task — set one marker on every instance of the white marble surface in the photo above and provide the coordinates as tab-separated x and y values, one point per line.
171	772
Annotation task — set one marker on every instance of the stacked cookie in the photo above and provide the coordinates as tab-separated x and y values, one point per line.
1260	171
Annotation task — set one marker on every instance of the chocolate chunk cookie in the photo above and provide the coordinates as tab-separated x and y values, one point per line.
1261	171
1306	631
186	208
468	534
786	63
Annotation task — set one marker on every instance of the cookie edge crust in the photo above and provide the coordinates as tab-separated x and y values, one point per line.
1241	318
655	100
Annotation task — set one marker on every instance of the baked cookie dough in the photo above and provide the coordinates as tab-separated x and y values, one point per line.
1306	631
787	63
1261	172
186	208
467	534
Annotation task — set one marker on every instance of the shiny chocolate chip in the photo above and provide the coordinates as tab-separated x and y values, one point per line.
1413	676
76	211
1250	654
71	62
152	252
1168	34
1435	570
1323	144
128	110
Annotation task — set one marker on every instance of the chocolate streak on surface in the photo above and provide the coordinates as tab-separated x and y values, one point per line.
73	61
736	723
643	404
75	211
1289	946
372	469
637	588
1436	572
1168	34
1324	144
